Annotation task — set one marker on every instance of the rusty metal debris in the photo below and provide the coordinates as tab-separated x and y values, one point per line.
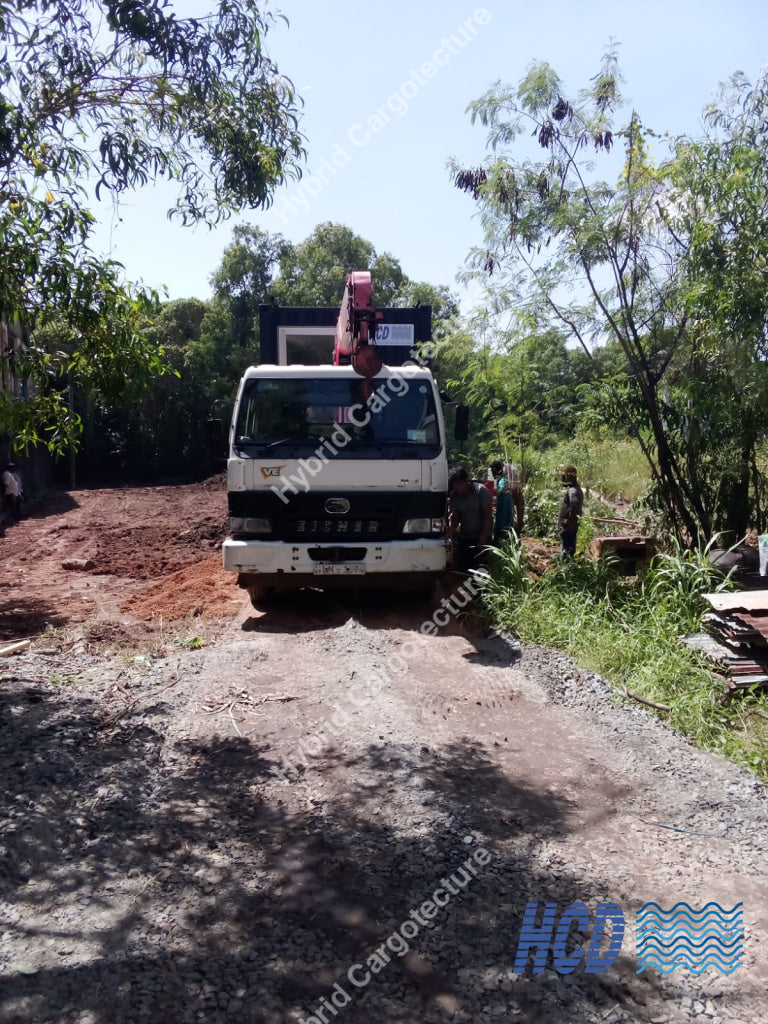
735	638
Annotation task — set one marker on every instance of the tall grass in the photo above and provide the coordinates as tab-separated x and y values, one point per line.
614	467
627	630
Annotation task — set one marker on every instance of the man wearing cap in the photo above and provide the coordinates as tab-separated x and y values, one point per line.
570	511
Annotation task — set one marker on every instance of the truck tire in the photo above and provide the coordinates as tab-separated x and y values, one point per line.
260	594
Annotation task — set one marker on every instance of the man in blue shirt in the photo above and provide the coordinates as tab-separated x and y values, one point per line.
510	503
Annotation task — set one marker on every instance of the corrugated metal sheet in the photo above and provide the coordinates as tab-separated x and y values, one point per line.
745	601
736	637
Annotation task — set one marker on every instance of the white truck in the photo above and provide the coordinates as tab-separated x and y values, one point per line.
337	474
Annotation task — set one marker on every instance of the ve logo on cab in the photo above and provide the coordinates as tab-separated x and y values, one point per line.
545	936
267	471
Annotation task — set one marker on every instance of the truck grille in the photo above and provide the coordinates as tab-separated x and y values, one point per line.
341	529
370	516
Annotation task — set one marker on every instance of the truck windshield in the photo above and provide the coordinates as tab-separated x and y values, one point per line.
303	412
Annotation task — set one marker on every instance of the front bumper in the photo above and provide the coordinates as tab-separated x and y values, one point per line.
284	559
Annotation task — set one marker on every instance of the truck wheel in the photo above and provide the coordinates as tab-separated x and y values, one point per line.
260	594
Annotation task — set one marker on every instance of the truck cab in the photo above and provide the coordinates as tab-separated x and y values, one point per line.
334	478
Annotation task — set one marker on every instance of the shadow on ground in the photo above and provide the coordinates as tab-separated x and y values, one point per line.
306	610
150	881
54	504
25	617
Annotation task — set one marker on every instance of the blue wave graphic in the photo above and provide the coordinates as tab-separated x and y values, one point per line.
684	922
693	939
682	953
725	937
691	964
694	948
690	938
690	926
699	948
646	908
681	959
711	925
705	922
699	969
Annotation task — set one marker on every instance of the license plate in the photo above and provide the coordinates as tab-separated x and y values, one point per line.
339	569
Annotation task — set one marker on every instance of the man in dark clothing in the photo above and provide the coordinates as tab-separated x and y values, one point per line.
470	519
570	512
12	495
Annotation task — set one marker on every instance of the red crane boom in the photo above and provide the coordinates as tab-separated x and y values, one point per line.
356	327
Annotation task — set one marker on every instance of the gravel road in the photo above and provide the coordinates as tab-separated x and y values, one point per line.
231	834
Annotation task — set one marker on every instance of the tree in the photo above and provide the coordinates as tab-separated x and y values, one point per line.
228	339
598	259
717	214
314	272
110	95
258	266
444	303
167	432
245	276
160	429
521	387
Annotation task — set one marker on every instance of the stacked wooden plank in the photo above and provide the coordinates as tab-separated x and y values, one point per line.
735	637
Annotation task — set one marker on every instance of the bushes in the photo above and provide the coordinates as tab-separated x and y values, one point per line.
541	508
627	629
678	582
612	466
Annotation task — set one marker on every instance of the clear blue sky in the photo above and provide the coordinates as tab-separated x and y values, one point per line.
347	58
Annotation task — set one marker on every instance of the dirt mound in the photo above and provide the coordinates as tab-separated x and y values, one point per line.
202	589
136	536
145	552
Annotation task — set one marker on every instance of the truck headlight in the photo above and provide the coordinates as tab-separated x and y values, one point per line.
240	524
423	526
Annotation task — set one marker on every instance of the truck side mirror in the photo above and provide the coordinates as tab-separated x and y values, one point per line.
461	426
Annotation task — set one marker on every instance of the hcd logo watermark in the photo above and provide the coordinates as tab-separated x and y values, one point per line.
666	939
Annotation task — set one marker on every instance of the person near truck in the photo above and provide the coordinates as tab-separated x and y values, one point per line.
570	511
510	503
12	491
470	519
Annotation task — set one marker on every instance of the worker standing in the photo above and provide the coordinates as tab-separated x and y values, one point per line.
570	511
12	491
510	502
470	519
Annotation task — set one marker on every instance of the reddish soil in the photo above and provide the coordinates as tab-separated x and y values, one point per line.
540	554
202	589
153	549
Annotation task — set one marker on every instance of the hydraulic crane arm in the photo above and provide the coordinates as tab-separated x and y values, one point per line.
356	327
